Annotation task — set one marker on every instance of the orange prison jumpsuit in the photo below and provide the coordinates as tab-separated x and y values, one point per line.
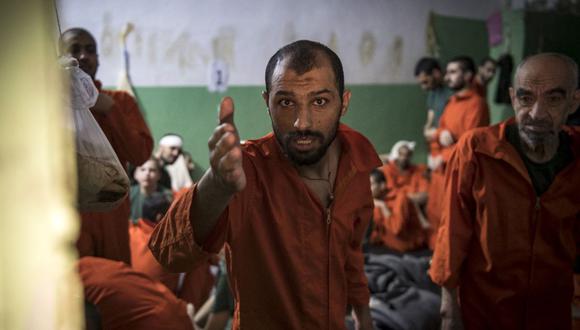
509	251
462	113
127	299
402	231
194	286
104	234
292	263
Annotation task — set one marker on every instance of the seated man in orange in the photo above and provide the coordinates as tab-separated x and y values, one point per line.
510	228
291	207
398	222
404	177
194	286
104	234
127	299
465	110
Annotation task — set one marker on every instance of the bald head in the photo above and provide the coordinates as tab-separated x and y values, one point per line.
548	66
80	44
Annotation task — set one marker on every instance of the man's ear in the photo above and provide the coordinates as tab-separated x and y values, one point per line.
345	101
265	96
512	96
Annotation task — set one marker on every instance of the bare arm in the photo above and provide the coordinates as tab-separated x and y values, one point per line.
224	178
362	316
428	129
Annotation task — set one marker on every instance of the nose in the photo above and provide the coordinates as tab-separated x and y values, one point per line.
538	111
303	118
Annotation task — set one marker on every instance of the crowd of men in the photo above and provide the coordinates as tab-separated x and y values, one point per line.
495	206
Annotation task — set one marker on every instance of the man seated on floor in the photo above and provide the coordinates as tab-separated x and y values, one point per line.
398	223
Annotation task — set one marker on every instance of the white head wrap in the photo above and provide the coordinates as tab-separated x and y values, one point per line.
395	150
171	141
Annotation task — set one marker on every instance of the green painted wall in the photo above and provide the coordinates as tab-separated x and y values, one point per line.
513	30
552	32
460	36
384	113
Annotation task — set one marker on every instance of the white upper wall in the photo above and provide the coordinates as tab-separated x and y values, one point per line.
174	41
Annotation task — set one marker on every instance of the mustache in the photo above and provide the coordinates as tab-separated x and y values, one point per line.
537	123
305	134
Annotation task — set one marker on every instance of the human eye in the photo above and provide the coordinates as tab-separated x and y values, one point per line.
554	99
92	49
525	100
285	103
320	101
74	49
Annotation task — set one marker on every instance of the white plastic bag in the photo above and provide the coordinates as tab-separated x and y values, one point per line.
102	180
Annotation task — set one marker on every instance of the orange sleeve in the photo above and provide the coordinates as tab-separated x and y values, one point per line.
172	242
134	142
395	223
357	286
455	231
478	116
127	299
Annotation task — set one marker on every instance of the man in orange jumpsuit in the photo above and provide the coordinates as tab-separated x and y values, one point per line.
465	110
105	234
194	286
291	207
405	224
511	212
485	73
127	299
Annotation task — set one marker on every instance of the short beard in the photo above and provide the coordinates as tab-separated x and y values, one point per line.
458	87
308	158
539	146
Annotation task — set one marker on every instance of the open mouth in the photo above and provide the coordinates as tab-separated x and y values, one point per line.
303	143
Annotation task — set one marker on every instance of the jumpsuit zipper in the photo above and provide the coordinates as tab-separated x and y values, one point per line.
328	223
534	226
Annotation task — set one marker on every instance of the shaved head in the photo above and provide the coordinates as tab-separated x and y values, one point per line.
558	64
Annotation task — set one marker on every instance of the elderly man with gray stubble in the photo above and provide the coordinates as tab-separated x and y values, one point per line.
511	211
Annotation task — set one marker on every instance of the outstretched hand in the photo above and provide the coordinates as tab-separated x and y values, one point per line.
225	152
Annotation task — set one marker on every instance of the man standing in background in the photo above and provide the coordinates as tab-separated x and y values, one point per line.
465	110
485	73
430	77
105	234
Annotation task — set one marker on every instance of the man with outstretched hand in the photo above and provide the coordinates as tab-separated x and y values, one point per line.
291	208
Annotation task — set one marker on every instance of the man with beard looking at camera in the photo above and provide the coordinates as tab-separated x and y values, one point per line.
291	207
511	209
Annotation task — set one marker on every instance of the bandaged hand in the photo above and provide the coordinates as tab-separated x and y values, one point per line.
445	138
434	162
